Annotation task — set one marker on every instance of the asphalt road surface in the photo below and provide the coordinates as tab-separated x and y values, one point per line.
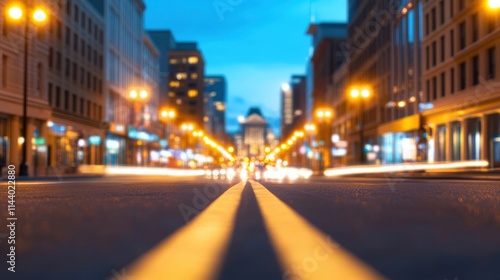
131	228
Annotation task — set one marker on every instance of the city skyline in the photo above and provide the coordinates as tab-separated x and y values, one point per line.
236	43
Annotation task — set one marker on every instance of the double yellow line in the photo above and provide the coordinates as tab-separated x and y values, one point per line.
197	250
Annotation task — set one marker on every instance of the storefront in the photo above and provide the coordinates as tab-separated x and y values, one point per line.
143	146
401	141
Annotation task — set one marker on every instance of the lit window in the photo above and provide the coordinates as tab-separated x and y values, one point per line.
181	76
173	61
179	101
175	84
194	76
193	60
192	93
171	94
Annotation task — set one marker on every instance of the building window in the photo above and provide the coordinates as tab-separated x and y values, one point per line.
76	13
443	84
181	76
75	42
40	75
433	18
475	28
491	23
82	76
66	100
461	4
434	53
59	29
434	88
58	61
5	70
58	97
462	35
452	43
49	94
193	60
475	70
88	108
441	11
83	47
463	76
443	55
427	24
89	25
73	107
68	36
68	8
82	106
452	80
84	19
427	57
428	94
75	72
452	7
88	80
67	65
491	63
192	93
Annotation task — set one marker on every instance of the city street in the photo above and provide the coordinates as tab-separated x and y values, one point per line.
128	228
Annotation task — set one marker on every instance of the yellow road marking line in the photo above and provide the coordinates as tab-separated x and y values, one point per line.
304	252
195	251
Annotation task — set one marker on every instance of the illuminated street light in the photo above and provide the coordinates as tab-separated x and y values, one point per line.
15	12
39	15
365	93
133	94
401	104
143	94
354	93
494	4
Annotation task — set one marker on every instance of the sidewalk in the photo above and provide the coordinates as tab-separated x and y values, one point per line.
459	175
20	179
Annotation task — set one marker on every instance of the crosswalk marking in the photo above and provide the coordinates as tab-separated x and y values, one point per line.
304	252
197	250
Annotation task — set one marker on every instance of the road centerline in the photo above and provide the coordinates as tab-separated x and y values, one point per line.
196	250
304	251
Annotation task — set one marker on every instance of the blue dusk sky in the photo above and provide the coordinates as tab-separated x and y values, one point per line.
256	44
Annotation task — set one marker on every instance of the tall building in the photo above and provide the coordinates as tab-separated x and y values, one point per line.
215	106
11	91
255	135
327	56
293	105
401	129
75	85
186	83
368	51
164	41
461	81
128	99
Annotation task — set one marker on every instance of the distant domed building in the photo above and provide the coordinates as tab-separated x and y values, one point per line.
255	135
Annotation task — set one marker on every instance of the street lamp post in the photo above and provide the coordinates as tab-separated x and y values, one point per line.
167	116
310	129
16	13
324	116
360	94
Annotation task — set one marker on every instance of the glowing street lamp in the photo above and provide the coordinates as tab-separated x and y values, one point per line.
38	16
494	4
361	94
